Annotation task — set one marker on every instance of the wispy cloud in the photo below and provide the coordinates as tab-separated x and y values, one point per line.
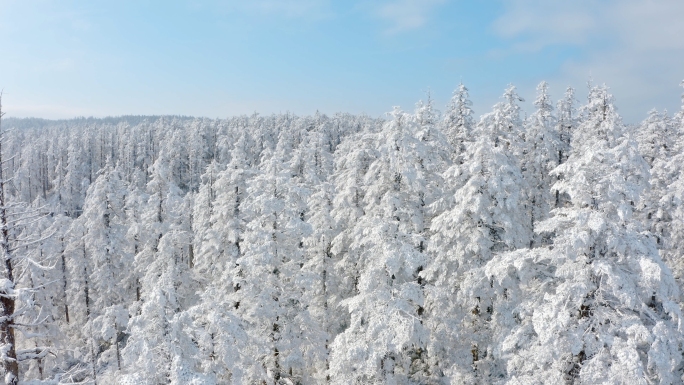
289	9
535	24
637	23
292	8
635	46
405	15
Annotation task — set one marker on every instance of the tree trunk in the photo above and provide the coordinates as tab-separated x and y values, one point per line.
9	363
118	352
86	291
64	277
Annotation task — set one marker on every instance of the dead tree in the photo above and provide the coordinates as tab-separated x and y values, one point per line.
12	217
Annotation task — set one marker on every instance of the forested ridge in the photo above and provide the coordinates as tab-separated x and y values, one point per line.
425	248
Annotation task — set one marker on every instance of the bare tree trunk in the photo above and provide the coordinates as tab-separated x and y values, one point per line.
86	291
40	363
118	352
64	277
9	363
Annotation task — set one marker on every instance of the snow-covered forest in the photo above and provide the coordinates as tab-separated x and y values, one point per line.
425	248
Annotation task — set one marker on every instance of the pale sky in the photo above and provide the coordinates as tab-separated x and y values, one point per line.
62	59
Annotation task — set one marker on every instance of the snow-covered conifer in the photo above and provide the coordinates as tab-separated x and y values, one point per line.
654	137
109	265
157	339
667	184
23	306
567	121
386	340
266	293
481	213
599	305
458	121
543	147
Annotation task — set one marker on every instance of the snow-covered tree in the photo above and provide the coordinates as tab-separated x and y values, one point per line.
110	265
481	213
437	153
267	291
386	340
599	305
567	121
355	156
656	141
458	122
324	287
655	137
158	349
23	304
543	148
219	227
284	249
667	213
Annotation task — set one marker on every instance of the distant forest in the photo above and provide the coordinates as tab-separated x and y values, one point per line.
424	248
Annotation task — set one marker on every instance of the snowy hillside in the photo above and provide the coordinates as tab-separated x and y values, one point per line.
427	248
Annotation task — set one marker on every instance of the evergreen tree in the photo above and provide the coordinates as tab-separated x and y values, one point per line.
39	337
219	227
323	287
206	247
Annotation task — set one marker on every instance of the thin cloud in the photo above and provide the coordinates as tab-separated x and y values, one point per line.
290	9
634	46
405	15
535	24
640	24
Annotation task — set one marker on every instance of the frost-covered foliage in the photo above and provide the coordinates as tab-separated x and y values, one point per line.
544	150
598	305
418	249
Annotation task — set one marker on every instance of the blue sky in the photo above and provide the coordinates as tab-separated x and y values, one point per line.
61	59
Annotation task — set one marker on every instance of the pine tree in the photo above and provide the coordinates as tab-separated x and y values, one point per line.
206	248
41	353
323	287
353	158
655	142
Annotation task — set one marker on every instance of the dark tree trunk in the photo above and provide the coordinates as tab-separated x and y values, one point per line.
9	364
